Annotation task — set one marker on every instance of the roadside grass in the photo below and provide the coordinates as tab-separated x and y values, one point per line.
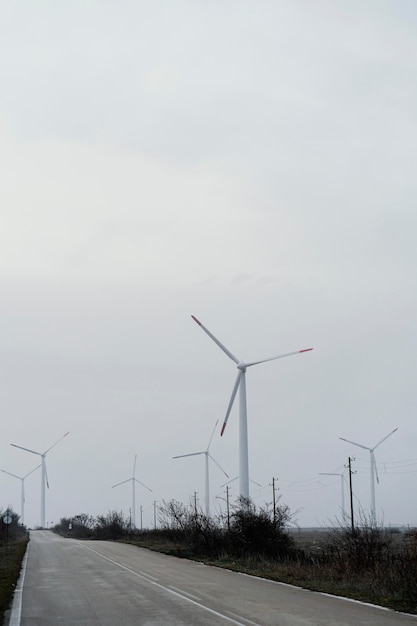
11	557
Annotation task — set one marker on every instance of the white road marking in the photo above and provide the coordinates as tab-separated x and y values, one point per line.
170	590
245	619
151	578
190	595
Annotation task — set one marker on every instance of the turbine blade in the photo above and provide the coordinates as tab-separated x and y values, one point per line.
122	483
134	466
279	356
219	466
374	468
143	484
31	471
221	346
229	481
10	474
355	444
53	446
181	456
232	399
212	435
46	476
27	449
386	437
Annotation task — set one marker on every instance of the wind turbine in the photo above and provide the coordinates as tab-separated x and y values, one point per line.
207	456
374	471
243	418
134	480
44	477
22	491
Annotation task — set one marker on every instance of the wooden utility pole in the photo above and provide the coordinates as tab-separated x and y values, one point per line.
351	493
228	509
274	504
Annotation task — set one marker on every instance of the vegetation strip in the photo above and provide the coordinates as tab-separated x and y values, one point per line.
13	543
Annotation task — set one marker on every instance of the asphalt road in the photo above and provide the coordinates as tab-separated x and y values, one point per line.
95	583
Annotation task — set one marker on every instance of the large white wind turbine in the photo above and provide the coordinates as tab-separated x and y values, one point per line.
243	425
44	477
374	471
22	490
134	481
207	455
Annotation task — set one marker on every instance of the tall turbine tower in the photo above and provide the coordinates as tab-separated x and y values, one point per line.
243	418
374	471
44	477
22	490
207	455
134	481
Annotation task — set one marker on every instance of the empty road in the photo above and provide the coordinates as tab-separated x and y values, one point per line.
96	583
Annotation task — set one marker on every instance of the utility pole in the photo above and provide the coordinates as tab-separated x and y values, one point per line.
227	505
351	492
274	504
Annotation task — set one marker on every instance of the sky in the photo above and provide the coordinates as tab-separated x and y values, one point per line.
249	163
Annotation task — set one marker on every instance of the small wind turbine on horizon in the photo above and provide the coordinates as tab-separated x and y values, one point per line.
44	476
207	455
240	384
22	490
134	481
374	471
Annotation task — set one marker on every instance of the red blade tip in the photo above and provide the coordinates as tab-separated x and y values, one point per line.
306	350
222	431
196	320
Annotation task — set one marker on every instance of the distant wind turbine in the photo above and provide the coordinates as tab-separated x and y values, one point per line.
134	480
243	418
22	490
374	471
207	455
44	477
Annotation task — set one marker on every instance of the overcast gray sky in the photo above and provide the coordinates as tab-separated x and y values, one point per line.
251	163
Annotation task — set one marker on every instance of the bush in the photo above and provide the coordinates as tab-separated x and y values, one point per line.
360	548
111	526
188	525
262	533
80	526
247	532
